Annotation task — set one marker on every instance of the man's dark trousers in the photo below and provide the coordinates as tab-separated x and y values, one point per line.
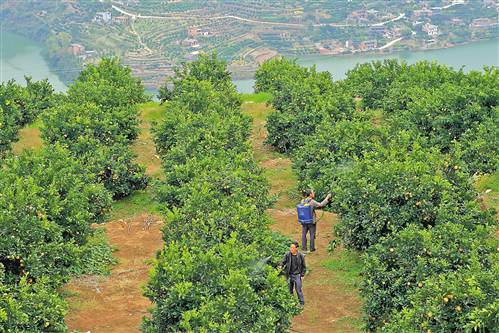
295	282
304	229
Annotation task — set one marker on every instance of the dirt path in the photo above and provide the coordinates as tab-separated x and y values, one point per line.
332	302
114	304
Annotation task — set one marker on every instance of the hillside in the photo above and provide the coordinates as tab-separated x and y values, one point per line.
154	36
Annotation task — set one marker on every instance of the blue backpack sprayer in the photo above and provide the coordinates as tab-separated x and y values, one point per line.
305	213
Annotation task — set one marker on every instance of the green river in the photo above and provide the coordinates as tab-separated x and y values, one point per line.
20	56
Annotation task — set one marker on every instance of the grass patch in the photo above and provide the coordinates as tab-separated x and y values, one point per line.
488	186
138	202
144	145
96	256
345	267
355	324
152	111
29	138
261	97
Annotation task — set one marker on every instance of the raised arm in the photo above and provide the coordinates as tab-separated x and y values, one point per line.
321	204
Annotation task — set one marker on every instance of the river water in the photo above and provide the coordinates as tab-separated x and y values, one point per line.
472	56
20	56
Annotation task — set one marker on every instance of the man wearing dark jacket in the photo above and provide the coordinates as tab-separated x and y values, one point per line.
294	267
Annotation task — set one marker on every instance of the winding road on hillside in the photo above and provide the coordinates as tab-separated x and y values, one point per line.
239	18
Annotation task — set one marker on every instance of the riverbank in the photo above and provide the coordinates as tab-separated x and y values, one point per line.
20	56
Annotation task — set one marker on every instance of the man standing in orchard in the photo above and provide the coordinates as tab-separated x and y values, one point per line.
307	217
294	267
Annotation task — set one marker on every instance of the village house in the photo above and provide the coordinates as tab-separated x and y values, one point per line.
122	19
456	21
357	16
368	45
378	29
194	32
190	42
430	29
102	17
76	49
420	13
482	23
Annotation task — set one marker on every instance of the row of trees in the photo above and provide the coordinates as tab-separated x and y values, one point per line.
216	271
50	198
397	145
20	106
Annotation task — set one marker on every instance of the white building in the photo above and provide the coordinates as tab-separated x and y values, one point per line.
103	17
430	29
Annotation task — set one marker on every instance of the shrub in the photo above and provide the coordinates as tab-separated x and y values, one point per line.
68	122
479	148
463	301
9	129
215	272
301	98
30	307
443	114
97	122
371	81
219	289
47	206
401	265
401	184
195	82
107	84
39	97
201	134
333	147
274	73
10	116
301	106
222	175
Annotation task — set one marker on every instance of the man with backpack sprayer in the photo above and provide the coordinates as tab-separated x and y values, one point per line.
307	217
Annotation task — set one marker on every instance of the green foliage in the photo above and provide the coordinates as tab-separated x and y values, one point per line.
302	98
268	77
215	273
195	79
95	256
401	184
66	123
371	81
98	125
479	147
30	307
436	101
40	96
400	178
20	106
400	266
107	84
47	206
222	288
463	301
333	148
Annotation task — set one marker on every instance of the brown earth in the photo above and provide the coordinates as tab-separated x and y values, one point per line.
330	305
115	304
